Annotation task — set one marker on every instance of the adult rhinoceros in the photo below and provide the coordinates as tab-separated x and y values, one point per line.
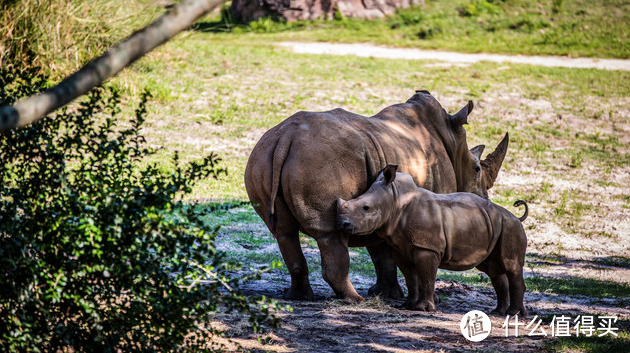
299	169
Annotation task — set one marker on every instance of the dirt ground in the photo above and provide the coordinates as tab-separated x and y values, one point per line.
329	325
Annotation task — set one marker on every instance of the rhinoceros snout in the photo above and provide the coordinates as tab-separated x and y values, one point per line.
345	225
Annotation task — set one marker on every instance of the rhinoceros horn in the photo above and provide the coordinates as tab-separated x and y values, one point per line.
461	117
493	161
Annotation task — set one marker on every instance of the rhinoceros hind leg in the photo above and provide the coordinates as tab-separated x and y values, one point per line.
517	292
501	288
500	284
289	244
386	275
333	249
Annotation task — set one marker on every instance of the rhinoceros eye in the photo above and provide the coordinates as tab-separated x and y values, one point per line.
366	207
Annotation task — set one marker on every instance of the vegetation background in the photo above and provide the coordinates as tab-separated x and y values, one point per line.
220	85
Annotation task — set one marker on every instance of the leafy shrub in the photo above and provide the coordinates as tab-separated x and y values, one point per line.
407	17
477	7
96	253
428	31
556	6
528	24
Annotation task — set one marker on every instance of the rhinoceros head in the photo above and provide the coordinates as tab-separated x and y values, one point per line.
472	173
371	210
477	175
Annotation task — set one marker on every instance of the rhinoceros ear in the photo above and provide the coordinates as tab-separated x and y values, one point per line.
493	161
477	151
461	117
389	173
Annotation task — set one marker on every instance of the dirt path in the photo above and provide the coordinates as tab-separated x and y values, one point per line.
370	50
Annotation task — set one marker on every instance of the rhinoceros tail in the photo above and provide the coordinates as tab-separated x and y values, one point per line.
280	154
521	202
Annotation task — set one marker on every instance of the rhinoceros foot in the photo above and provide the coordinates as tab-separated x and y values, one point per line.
520	310
499	311
417	305
392	291
297	294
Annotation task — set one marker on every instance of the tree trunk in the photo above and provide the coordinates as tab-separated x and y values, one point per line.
31	109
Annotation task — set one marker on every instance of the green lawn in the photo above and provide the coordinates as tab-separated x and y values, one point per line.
219	93
598	28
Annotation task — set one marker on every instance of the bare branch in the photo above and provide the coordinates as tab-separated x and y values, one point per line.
31	109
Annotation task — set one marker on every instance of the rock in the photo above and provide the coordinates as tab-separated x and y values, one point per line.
293	10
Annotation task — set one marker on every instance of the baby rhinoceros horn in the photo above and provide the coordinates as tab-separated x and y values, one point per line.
344	223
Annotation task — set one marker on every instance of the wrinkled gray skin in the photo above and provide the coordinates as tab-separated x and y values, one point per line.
300	167
428	231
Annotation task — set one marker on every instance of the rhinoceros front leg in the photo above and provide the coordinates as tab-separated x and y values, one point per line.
386	275
333	248
426	265
289	244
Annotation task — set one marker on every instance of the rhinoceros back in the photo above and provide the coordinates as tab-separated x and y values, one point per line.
311	159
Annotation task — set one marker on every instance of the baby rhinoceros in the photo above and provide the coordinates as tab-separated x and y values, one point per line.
428	231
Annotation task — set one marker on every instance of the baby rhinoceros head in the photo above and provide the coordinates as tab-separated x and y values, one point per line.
368	212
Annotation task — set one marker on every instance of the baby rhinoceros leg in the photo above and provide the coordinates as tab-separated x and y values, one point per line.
426	264
408	269
513	247
517	291
386	272
500	283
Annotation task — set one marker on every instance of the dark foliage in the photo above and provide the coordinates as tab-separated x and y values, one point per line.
96	252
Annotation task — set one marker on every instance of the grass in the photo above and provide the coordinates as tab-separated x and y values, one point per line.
510	26
61	36
577	286
564	285
593	344
615	261
221	94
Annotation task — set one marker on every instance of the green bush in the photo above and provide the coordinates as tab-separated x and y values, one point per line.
477	7
407	17
96	253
